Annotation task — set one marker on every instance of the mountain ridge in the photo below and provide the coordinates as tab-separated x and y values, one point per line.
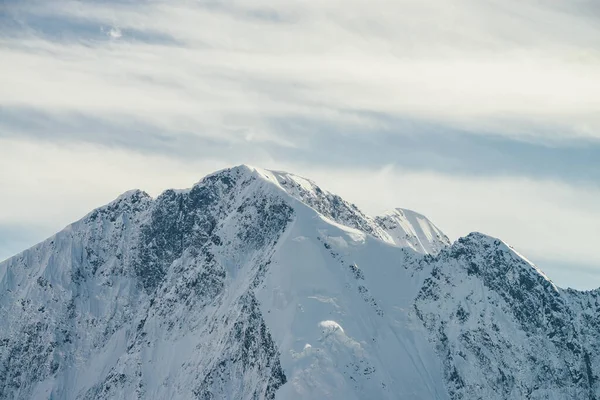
261	284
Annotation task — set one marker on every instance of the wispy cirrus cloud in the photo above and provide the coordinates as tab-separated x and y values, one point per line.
529	70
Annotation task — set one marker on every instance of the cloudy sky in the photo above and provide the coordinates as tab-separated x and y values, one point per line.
484	115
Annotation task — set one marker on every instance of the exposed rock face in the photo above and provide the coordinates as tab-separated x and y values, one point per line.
136	277
503	329
256	284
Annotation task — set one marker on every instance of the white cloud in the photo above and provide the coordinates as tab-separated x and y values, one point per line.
515	68
115	33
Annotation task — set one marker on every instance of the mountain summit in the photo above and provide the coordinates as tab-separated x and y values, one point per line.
258	284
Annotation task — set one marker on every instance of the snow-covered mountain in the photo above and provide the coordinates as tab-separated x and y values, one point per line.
258	284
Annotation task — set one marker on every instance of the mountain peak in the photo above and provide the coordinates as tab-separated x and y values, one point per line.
401	227
130	197
408	228
489	247
235	172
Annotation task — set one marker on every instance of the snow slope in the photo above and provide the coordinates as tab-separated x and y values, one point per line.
408	228
259	284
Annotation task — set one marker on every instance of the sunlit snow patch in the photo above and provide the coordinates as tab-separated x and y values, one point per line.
330	326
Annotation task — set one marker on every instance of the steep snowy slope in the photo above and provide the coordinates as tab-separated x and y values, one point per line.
339	304
411	229
402	227
257	284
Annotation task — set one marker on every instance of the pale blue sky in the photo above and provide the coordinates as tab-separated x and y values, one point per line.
483	115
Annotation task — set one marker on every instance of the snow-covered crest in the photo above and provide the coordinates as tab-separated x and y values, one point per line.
402	227
260	284
408	228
